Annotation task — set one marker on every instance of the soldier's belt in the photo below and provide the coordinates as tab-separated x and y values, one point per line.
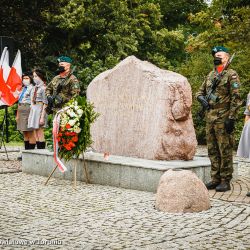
220	105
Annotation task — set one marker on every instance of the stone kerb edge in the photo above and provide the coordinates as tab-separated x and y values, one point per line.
126	172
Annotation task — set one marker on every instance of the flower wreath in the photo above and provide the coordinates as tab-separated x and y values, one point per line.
71	128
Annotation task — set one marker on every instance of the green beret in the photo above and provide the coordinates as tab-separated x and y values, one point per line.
64	59
218	49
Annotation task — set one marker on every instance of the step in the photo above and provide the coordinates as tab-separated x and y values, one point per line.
118	171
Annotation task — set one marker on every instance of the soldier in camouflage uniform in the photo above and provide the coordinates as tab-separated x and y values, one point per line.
70	88
220	119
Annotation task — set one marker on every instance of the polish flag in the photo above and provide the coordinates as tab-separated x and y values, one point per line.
2	102
2	89
5	94
5	63
14	80
7	97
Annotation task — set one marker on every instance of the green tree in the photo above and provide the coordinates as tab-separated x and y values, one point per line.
22	20
175	12
98	34
219	26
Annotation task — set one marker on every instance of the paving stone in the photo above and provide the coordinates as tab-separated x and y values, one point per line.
103	217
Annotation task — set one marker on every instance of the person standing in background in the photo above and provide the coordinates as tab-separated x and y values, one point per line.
23	111
244	143
38	117
62	87
221	110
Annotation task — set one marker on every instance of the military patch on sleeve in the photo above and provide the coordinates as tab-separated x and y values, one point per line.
235	85
76	86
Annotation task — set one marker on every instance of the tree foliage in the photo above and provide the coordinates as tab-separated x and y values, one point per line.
176	13
219	25
101	33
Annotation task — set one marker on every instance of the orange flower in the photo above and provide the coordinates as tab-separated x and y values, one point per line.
72	144
75	138
67	126
67	146
59	134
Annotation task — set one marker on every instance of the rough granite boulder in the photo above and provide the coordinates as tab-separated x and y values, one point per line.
181	192
145	112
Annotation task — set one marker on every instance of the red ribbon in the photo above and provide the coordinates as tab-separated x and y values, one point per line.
56	126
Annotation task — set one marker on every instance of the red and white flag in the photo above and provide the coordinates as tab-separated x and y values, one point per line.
4	64
7	97
10	78
14	80
2	84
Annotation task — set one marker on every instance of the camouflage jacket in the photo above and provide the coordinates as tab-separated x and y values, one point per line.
228	99
70	89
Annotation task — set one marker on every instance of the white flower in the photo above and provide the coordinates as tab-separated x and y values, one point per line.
72	122
77	130
64	120
71	113
80	112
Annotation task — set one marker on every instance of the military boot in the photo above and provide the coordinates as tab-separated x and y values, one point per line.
223	187
212	184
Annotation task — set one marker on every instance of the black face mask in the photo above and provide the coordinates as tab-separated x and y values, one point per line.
217	61
60	69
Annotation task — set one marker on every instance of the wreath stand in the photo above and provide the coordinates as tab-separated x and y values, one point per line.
74	181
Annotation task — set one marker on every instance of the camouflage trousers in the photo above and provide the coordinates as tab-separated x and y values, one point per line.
220	151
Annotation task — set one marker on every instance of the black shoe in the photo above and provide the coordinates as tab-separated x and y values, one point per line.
223	187
19	158
32	145
212	184
26	145
40	144
248	194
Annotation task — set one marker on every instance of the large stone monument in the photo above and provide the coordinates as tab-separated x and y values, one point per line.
145	112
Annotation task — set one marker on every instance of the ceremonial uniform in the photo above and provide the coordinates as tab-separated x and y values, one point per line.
39	99
63	87
220	118
24	108
69	90
23	112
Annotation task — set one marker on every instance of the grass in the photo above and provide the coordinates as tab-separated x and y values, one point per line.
14	143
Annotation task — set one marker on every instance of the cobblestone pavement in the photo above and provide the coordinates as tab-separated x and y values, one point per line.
239	187
8	160
101	217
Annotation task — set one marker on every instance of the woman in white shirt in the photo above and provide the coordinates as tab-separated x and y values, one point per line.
38	116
